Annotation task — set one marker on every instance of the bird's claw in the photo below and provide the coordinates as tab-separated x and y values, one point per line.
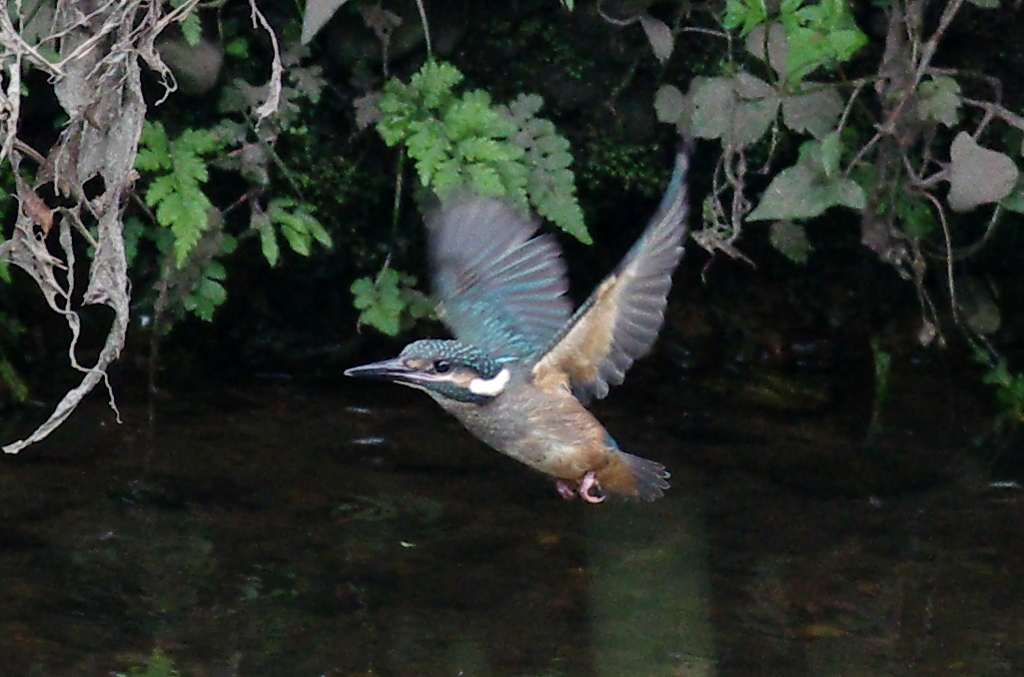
585	487
589	482
565	489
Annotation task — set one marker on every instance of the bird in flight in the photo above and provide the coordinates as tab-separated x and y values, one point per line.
522	366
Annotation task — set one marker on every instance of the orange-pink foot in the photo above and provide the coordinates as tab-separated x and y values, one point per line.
588	488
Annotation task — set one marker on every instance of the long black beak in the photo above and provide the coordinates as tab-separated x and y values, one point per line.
396	371
389	370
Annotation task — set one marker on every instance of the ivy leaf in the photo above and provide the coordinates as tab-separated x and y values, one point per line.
737	110
815	112
659	35
805	190
714	100
776	44
939	99
978	175
316	16
671	106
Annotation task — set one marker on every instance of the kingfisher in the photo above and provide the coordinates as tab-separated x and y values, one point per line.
523	366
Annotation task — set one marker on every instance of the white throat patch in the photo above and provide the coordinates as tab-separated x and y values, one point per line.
490	387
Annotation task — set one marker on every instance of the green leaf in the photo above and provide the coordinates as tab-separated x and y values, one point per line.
805	190
238	48
298	225
319	233
185	211
485	179
390	303
672	107
916	217
543	171
133	231
659	35
745	13
939	99
465	139
380	301
1015	200
176	192
13	380
160	189
820	35
154	148
790	240
978	175
435	82
815	112
298	239
192	28
831	152
737	110
207	293
261	223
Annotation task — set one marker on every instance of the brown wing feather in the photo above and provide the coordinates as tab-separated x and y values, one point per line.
581	352
621	319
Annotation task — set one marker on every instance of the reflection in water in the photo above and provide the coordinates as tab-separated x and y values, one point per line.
649	587
280	532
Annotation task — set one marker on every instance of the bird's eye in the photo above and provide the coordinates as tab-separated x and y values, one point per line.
442	366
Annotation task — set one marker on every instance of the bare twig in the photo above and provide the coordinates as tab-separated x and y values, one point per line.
995	110
14	43
426	27
273	102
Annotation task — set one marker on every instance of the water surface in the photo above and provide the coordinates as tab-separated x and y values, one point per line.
271	529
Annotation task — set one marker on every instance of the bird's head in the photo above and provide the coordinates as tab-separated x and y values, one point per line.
446	370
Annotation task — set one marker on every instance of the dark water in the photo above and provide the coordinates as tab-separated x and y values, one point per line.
277	530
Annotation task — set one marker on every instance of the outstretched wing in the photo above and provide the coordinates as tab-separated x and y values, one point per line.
621	319
500	290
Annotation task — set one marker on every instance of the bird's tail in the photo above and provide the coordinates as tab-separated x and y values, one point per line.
632	476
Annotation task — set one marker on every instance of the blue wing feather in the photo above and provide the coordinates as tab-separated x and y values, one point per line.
501	289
